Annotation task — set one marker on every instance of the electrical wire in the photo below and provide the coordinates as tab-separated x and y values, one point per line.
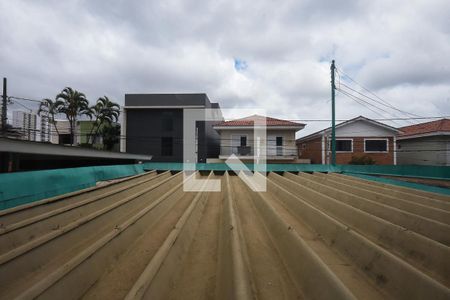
376	101
362	101
375	95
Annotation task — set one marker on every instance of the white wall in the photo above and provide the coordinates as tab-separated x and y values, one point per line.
362	129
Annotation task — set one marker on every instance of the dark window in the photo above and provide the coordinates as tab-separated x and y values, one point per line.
243	141
64	138
279	141
376	145
167	121
344	145
166	146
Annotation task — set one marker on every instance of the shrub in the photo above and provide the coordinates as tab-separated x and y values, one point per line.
362	160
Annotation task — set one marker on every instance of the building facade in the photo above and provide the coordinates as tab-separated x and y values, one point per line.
425	144
236	138
152	124
358	140
61	133
26	124
46	127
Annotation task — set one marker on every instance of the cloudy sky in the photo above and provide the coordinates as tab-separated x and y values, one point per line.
268	54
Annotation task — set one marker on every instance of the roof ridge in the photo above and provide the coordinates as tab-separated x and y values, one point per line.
249	121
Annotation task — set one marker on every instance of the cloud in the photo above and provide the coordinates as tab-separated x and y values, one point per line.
397	49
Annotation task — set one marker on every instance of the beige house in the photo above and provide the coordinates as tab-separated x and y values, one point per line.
236	138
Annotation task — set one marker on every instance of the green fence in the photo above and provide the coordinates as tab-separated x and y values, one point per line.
430	172
25	187
411	185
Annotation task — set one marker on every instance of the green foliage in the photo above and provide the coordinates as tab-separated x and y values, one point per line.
111	135
104	112
74	104
362	160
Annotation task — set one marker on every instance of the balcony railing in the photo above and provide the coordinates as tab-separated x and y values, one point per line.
242	151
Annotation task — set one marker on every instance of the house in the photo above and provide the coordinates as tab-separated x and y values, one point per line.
358	138
153	125
83	134
236	137
425	144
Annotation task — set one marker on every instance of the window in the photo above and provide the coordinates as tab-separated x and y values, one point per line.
380	145
344	145
279	143
244	140
166	146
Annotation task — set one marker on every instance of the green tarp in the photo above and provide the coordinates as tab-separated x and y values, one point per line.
24	187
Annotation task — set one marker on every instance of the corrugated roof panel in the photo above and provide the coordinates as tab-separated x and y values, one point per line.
309	236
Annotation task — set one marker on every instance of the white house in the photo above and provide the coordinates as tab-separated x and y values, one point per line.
236	137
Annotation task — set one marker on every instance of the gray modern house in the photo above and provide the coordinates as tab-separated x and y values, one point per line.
153	125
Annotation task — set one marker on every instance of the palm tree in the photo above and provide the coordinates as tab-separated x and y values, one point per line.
104	111
74	105
48	109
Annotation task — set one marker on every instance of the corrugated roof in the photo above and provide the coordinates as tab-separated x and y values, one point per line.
310	236
249	121
442	125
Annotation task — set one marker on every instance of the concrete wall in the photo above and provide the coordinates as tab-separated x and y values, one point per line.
424	151
166	99
144	130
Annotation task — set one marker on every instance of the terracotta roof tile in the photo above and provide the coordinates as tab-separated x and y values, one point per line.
248	121
428	127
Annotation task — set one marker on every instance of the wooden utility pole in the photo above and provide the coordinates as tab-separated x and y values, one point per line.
333	116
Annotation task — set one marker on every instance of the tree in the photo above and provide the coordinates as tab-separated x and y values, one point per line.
111	135
74	104
49	109
105	112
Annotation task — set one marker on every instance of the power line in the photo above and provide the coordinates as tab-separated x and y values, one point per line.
362	101
374	100
24	106
375	95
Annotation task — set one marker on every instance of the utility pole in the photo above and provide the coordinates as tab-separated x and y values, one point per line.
4	106
333	116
